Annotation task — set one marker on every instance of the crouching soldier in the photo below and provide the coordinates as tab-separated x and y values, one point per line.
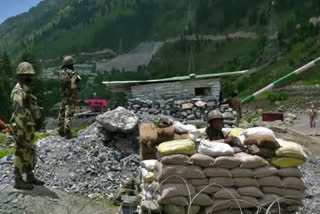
26	115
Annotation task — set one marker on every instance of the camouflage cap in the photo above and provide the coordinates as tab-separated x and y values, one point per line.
214	114
25	68
68	60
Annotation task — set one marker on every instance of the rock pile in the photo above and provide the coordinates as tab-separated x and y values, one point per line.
93	163
183	110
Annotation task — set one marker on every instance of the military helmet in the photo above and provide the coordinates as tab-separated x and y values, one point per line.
214	114
68	60
25	68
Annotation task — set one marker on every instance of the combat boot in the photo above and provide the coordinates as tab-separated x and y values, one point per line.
68	135
20	184
61	133
32	180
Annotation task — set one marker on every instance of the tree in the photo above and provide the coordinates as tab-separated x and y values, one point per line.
5	86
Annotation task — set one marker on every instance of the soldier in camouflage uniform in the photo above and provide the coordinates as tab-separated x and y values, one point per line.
214	131
69	95
24	120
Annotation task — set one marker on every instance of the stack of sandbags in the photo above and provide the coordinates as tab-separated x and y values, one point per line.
151	136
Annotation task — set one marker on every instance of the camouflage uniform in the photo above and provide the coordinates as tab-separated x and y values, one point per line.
24	125
68	86
214	134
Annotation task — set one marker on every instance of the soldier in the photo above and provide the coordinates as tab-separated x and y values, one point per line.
214	131
69	94
313	115
26	115
235	104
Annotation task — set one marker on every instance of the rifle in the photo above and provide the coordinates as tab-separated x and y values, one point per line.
22	143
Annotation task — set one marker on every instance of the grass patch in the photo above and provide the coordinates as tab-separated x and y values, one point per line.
40	135
312	82
74	132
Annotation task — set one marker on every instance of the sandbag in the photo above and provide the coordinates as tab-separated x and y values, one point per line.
147	176
174	209
201	199
251	161
194	209
202	160
148	133
233	211
246	202
285	162
217	172
186	147
293	183
163	171
236	132
174	179
263	152
263	141
290	172
291	202
243	182
199	182
288	193
179	201
176	159
207	189
265	171
291	150
215	149
180	136
250	191
183	129
218	205
226	162
148	164
241	173
227	193
165	134
174	190
222	181
268	199
147	151
273	181
258	131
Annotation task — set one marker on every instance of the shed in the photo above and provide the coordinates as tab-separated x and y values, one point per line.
176	87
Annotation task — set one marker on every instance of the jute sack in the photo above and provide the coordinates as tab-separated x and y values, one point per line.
265	171
148	133
201	199
199	182
288	193
218	205
246	202
163	171
243	182
174	209
207	189
291	202
174	190
285	162
183	129
251	161
222	181
293	183
202	160
250	191
226	162
174	179
217	172
268	198
180	136
165	134
273	181
290	150
176	159
215	149
263	152
258	131
241	173
290	172
148	164
147	150
227	193
263	141
186	147
233	211
179	201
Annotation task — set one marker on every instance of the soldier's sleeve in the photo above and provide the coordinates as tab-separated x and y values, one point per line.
74	80
19	111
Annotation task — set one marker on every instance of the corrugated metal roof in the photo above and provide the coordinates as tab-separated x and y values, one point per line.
172	79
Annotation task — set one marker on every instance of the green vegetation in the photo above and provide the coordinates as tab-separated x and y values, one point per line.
4	148
74	132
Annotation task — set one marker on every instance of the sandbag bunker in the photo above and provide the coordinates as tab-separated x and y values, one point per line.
194	175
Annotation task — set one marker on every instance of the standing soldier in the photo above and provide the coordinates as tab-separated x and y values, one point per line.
26	115
313	115
69	94
235	104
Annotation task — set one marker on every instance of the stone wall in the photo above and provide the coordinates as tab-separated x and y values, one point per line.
178	89
184	110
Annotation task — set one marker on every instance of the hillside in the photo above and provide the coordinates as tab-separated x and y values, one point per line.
57	27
